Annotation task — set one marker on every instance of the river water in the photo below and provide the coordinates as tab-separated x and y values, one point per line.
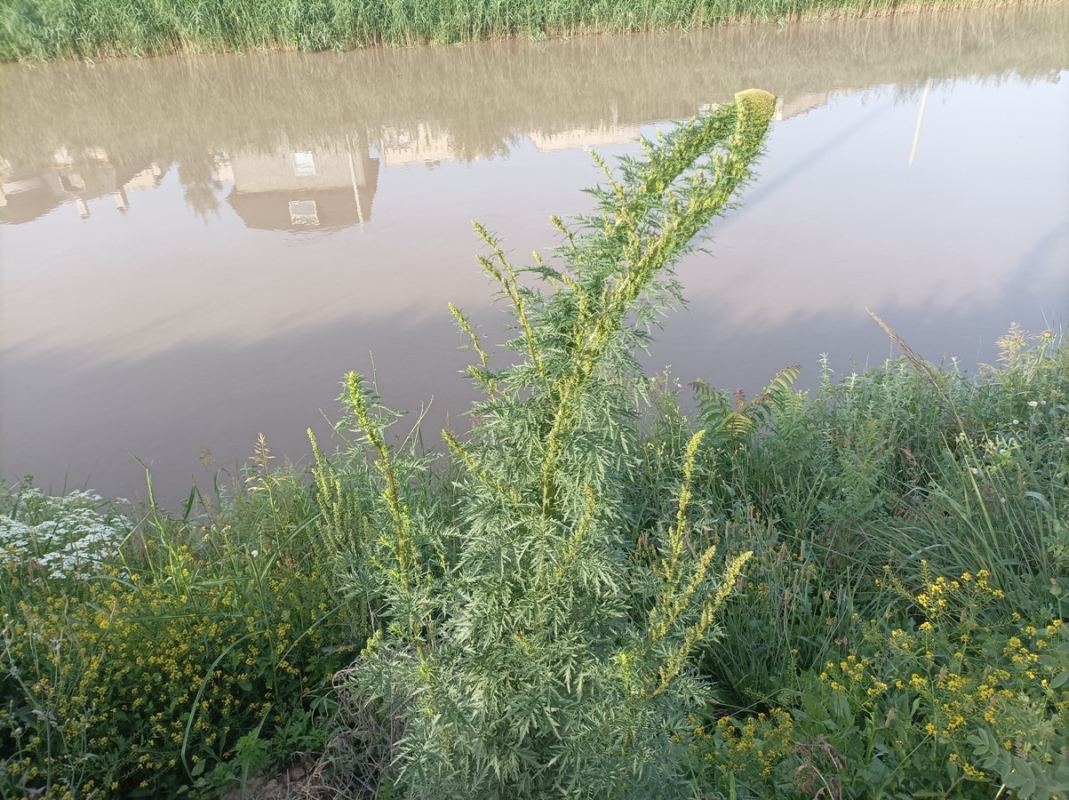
193	250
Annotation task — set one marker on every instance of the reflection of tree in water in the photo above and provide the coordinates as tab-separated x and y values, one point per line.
200	185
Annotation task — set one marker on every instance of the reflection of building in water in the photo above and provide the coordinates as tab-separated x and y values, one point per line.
289	187
298	188
584	138
27	193
798	105
418	145
787	107
423	145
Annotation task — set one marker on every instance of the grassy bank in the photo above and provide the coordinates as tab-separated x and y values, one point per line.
32	29
857	593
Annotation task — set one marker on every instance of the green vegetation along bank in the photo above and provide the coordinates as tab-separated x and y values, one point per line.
47	29
858	593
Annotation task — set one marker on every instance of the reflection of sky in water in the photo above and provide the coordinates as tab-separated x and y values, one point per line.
982	212
164	331
950	250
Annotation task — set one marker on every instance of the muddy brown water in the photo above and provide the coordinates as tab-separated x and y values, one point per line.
193	250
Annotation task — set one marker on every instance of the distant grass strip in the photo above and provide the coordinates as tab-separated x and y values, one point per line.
49	29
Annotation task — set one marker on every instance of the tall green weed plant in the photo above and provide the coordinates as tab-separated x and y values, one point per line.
536	639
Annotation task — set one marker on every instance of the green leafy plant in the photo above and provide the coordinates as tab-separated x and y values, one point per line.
537	642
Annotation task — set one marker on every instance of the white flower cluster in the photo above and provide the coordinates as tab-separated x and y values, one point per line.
68	536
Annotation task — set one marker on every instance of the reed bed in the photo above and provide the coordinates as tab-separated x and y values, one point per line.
48	29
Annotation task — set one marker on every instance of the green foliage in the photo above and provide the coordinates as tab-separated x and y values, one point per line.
144	673
536	641
922	678
734	418
42	29
557	605
920	711
750	757
899	464
951	707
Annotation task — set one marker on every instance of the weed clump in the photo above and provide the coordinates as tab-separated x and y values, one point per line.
528	644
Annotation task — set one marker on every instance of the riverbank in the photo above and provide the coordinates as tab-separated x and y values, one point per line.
109	28
593	593
899	626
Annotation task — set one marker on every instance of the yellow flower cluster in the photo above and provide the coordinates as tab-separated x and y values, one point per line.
754	745
853	674
961	678
140	668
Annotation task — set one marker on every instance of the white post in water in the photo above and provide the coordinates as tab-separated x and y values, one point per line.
352	178
920	119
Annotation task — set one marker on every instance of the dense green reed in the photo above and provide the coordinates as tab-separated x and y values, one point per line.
854	593
44	29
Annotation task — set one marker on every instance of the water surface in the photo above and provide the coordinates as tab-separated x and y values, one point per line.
194	250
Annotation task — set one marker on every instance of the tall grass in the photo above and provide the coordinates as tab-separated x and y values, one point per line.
905	465
44	29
